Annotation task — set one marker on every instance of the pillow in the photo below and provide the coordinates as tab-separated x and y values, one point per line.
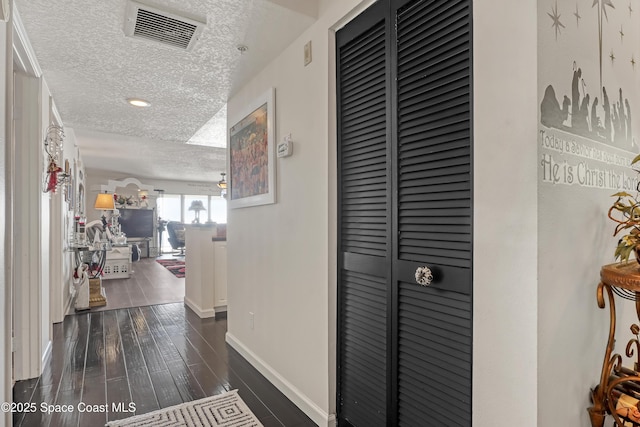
180	235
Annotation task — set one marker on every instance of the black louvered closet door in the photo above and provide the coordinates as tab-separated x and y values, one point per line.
404	123
364	157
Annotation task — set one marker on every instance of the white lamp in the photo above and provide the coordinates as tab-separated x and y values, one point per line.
197	206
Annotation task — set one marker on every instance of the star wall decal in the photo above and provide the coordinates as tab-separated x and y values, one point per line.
621	34
612	57
603	6
630	9
577	15
556	19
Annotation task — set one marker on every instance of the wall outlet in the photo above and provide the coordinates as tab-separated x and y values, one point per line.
251	320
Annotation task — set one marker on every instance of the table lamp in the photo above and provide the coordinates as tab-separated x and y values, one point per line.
104	202
197	206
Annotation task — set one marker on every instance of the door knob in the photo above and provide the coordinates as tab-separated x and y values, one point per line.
423	276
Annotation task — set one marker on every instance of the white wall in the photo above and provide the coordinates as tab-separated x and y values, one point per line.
27	228
6	67
280	255
45	225
505	215
575	236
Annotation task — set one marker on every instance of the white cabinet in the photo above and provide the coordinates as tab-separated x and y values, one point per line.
118	263
205	270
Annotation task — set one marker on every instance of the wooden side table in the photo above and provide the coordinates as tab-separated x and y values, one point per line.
621	279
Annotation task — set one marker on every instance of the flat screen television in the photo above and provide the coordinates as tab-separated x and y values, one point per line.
136	222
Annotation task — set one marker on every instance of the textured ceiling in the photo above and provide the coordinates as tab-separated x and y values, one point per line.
91	67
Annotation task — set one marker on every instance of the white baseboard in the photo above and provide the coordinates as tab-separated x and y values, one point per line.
203	314
305	404
47	353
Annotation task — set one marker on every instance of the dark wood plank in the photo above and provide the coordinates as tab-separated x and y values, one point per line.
142	391
167	348
94	397
168	355
188	386
148	346
23	393
210	383
115	367
118	393
73	371
95	362
166	390
66	399
270	421
288	413
132	356
190	355
169	317
46	394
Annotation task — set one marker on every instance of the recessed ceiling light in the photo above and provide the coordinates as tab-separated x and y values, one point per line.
136	102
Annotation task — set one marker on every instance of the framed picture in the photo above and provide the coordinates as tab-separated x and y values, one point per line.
251	177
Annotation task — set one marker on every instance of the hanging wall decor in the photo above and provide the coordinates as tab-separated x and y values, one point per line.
54	176
251	154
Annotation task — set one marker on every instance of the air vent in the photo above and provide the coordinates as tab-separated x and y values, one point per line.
163	26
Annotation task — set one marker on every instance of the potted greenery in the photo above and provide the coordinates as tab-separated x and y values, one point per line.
625	211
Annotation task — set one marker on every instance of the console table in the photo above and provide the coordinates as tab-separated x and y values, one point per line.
618	391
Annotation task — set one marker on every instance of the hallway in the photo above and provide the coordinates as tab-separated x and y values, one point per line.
153	357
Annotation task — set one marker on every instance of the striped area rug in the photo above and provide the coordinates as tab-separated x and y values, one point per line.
224	410
176	266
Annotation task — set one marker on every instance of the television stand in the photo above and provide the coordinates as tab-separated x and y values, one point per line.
143	243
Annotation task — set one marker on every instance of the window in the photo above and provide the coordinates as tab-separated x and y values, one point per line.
218	210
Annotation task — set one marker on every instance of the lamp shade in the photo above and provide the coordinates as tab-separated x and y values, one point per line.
105	202
197	206
222	184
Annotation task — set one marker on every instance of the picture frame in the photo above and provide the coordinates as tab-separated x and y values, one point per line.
251	155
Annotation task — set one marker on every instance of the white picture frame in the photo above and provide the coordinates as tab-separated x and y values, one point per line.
251	154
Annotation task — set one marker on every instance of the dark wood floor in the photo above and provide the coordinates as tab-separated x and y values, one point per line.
154	356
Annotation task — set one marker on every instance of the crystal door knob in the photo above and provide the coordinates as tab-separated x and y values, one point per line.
424	276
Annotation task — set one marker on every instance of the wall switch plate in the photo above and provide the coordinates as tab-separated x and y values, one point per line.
285	148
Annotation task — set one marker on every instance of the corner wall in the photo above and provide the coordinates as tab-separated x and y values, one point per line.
583	156
281	255
505	214
6	94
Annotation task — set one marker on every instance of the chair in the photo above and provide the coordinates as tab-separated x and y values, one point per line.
176	235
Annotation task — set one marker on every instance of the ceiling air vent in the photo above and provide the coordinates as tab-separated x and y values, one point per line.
163	26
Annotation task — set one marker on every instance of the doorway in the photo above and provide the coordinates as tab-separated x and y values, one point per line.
405	215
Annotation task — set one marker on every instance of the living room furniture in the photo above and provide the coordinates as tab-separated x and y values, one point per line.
118	263
176	231
206	271
144	245
618	382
